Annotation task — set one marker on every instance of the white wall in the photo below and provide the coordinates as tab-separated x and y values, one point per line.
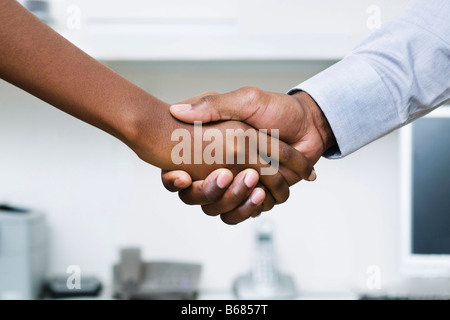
232	29
99	197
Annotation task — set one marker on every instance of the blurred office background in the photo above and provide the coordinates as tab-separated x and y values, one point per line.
98	196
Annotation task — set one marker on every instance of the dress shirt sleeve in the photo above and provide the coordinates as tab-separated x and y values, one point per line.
397	74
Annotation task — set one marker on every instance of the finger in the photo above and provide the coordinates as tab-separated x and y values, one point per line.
244	152
280	153
238	192
251	207
207	191
175	180
228	106
295	161
198	97
269	201
276	185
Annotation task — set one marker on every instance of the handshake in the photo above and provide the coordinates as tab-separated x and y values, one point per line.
270	140
235	154
279	136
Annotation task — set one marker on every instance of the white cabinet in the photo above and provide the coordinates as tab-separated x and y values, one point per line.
219	30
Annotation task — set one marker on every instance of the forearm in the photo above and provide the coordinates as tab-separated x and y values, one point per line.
40	61
397	74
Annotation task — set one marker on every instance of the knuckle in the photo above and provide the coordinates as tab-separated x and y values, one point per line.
236	195
286	153
206	100
269	201
284	196
210	93
257	212
254	93
169	185
211	195
278	182
210	211
280	188
241	214
185	197
268	204
228	220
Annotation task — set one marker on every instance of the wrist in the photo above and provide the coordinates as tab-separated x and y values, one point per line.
144	125
317	125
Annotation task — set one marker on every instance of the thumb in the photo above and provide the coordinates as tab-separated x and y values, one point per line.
206	109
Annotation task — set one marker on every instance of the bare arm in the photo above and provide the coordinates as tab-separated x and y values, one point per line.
40	61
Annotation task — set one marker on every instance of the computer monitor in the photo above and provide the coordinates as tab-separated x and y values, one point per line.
425	191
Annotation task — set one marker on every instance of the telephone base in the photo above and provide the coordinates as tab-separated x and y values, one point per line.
245	288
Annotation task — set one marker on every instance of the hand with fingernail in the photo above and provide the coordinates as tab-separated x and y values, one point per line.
300	122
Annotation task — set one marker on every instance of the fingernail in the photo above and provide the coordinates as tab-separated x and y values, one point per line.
312	176
223	179
257	196
181	107
179	183
251	179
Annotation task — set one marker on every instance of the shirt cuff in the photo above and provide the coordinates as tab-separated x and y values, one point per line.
355	101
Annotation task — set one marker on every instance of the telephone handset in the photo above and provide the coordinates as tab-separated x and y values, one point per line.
130	271
135	279
264	281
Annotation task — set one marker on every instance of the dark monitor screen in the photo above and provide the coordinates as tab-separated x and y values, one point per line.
431	186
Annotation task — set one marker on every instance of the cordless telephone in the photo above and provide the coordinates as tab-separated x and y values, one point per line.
264	281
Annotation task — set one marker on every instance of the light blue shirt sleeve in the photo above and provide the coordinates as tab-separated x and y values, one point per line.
397	74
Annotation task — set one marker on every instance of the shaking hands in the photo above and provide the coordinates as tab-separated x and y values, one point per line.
235	197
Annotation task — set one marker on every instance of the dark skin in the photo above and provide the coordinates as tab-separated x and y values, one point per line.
301	121
37	59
